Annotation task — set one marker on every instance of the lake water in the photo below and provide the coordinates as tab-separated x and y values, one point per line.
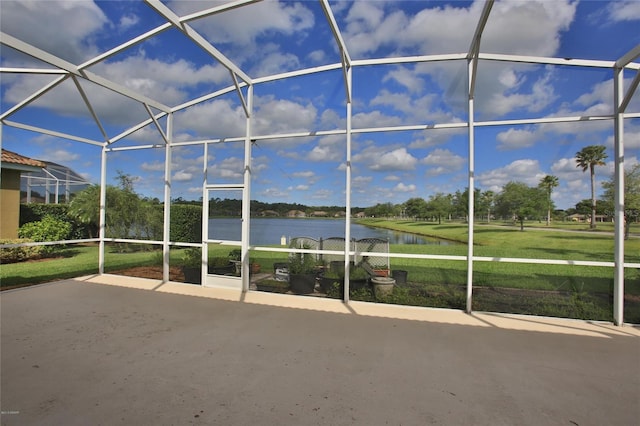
269	231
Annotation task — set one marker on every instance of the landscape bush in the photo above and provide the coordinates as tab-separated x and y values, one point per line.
35	212
47	229
19	254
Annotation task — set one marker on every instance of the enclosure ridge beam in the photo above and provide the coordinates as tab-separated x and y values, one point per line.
345	58
409	59
10	70
90	108
40	54
215	10
197	38
474	49
125	45
206	97
51	132
546	60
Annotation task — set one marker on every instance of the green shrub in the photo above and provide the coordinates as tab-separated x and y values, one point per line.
19	254
35	212
47	229
186	223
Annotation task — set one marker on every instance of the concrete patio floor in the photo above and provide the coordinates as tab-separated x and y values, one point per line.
105	350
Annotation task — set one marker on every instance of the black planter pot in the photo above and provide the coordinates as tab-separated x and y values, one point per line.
399	275
302	283
192	274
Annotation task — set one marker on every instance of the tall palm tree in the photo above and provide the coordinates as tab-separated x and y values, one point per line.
588	158
548	183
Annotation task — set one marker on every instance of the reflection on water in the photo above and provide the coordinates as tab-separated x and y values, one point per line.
268	231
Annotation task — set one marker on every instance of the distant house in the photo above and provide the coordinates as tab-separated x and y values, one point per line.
12	166
576	217
319	213
296	213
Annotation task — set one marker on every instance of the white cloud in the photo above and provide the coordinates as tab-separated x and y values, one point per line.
182	176
363	120
398	159
531	27
526	170
517	138
624	10
60	156
401	187
63	28
242	26
156	166
406	78
442	161
305	174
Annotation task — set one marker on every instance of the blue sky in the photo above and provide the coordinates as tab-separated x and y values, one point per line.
273	37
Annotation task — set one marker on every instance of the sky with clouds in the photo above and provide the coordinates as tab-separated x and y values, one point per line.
273	37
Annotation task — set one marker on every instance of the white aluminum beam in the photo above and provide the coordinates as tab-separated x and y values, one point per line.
630	91
345	58
628	57
618	148
31	71
126	45
155	122
546	60
197	38
40	54
85	98
474	49
26	101
51	132
166	233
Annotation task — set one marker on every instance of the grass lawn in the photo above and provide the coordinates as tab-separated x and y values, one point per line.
553	290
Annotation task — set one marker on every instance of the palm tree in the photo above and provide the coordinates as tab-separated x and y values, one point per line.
588	158
548	183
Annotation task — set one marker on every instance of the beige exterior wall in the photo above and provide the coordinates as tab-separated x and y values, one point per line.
10	204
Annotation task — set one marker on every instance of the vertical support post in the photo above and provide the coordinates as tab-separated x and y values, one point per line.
471	72
347	230
103	207
246	195
167	200
204	248
618	274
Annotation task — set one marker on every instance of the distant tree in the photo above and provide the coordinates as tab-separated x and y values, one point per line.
126	214
520	202
486	202
416	207
548	183
440	205
631	196
460	202
587	159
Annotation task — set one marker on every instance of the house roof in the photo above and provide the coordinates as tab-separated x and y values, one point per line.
12	160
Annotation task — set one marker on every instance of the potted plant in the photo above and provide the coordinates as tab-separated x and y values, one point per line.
302	273
192	265
235	257
330	277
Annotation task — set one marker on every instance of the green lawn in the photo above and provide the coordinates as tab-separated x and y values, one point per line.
554	290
